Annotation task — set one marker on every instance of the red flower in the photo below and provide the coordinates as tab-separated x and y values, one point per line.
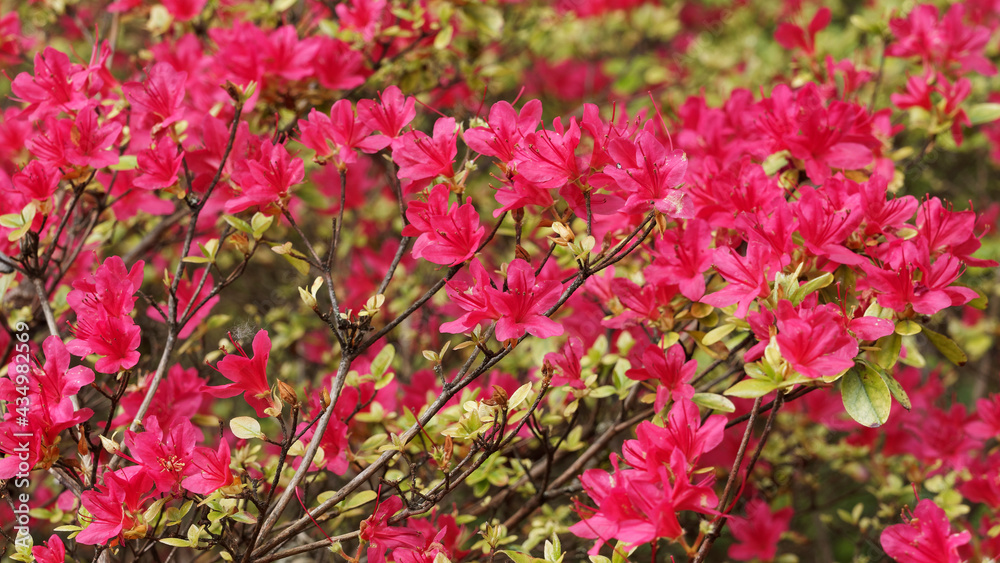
422	157
747	277
52	89
382	537
814	340
337	66
683	258
470	293
392	112
670	368
211	470
161	95
505	130
445	234
116	507
759	533
267	179
165	453
791	36
249	376
924	537
522	305
159	166
649	175
37	181
942	44
52	551
335	137
91	143
183	10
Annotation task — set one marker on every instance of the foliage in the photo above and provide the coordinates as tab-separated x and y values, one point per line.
441	280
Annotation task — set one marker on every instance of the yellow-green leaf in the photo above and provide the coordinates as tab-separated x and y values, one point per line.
713	401
889	347
866	397
947	347
751	388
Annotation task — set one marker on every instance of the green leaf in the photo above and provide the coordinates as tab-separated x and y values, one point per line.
518	557
359	499
176	542
984	113
713	401
383	360
775	162
260	223
889	347
979	302
244	427
751	388
866	397
947	347
894	387
301	265
443	38
812	285
717	334
126	162
238	224
907	328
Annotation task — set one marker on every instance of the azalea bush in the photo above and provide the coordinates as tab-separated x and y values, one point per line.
446	281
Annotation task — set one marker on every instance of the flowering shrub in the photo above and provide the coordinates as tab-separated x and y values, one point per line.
543	281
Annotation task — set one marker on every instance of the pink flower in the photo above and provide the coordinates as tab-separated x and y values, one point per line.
52	551
52	89
422	157
184	10
382	537
103	326
161	95
791	36
116	339
249	375
116	507
814	340
548	158
92	143
521	307
165	453
390	114
942	44
505	130
469	292
37	181
670	368
267	180
335	137
759	533
649	175
924	537
567	364
337	66
211	470
56	380
445	234
159	166
747	277
684	432
683	258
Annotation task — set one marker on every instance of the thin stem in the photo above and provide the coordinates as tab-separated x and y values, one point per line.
324	421
172	325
